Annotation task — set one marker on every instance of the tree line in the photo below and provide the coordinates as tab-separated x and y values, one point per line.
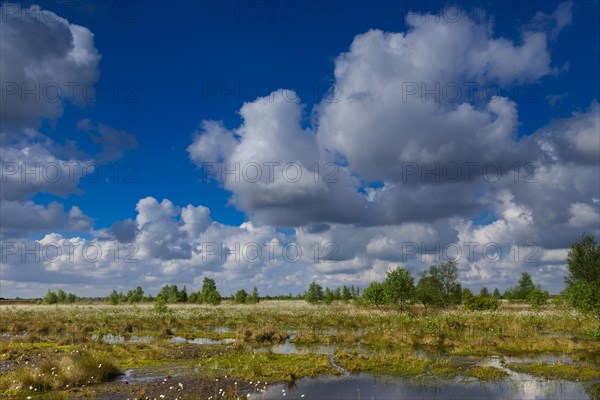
437	287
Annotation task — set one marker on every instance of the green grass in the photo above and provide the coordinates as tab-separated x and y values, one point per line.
267	366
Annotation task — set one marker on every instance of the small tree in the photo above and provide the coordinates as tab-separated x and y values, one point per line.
497	294
136	295
524	287
182	295
537	298
337	294
399	287
314	294
209	293
328	297
481	303
50	298
113	298
446	274
466	295
254	297
430	292
213	298
374	294
346	293
61	296
484	292
71	298
583	282
160	306
240	297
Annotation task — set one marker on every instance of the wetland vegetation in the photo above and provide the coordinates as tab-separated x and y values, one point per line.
432	334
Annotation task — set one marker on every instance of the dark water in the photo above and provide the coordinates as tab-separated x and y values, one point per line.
369	387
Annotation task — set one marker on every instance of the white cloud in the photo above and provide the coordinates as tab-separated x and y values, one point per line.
48	56
584	215
19	218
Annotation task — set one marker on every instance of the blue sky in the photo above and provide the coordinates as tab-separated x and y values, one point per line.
169	98
165	68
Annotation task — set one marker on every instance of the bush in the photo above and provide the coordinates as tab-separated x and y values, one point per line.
160	306
50	298
399	287
481	303
314	294
240	297
584	296
583	281
596	334
254	296
536	298
374	294
213	298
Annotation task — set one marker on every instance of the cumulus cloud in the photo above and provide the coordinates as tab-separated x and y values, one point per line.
19	218
396	119
584	215
32	168
45	61
574	139
277	172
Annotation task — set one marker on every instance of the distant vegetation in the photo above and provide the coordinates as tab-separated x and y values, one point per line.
437	287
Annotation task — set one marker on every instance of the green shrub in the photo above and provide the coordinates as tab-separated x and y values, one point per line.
481	303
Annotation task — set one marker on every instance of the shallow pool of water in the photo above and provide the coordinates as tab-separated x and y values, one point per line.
369	387
109	338
201	341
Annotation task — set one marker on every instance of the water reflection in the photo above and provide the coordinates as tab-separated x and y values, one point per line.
369	387
201	341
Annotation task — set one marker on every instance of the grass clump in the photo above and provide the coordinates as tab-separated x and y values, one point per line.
266	366
485	373
382	363
67	371
261	335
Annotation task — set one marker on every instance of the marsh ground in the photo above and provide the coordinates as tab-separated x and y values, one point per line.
231	351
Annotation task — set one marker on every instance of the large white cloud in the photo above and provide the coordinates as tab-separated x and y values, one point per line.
277	172
45	61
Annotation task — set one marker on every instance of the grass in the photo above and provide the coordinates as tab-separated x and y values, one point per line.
266	366
67	371
559	371
370	340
